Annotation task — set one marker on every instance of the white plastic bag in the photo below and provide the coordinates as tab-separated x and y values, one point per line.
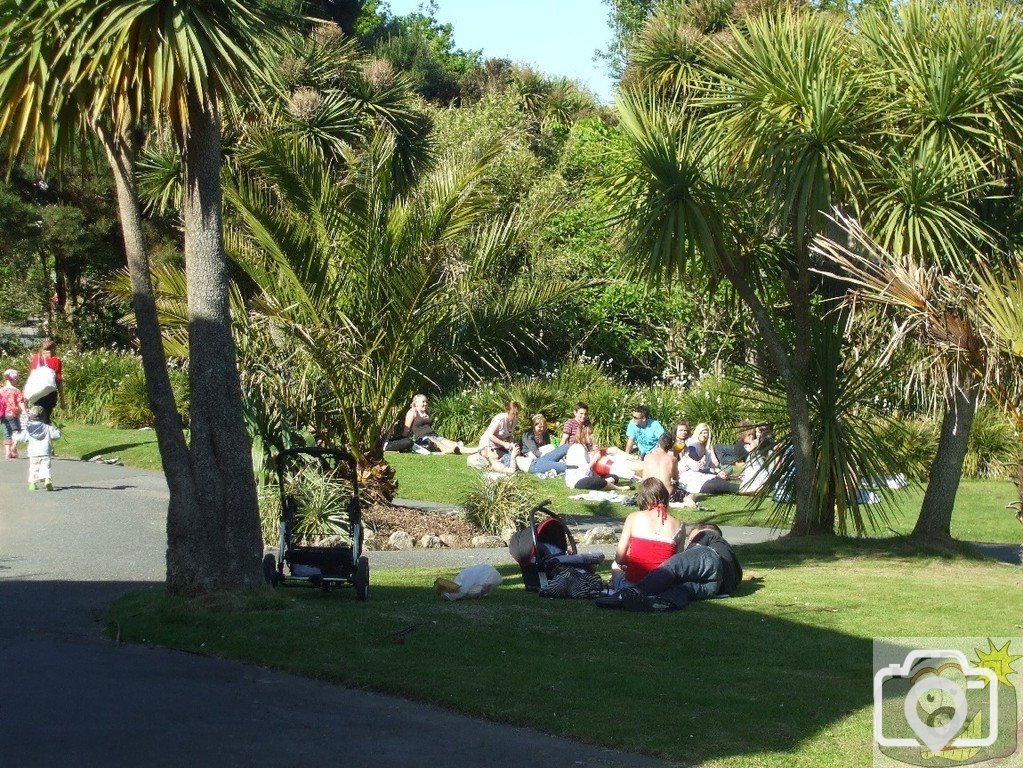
475	581
40	382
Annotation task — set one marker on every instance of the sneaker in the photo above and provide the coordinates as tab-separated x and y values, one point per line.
612	600
31	486
48	485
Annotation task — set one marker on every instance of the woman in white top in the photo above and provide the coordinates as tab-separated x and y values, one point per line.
497	443
701	450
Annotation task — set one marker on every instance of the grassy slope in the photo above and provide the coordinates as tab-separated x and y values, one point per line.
135	447
777	676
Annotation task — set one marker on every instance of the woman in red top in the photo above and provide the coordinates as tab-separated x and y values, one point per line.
649	536
47	355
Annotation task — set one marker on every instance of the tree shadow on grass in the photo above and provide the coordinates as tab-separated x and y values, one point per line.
712	682
799	550
114	449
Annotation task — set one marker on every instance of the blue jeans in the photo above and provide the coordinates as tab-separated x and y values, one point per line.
694	574
552	460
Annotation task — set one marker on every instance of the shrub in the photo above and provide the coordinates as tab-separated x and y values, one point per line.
91	380
129	407
720	402
994	449
322	507
918	442
494	505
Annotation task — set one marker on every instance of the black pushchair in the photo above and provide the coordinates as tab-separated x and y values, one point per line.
547	548
320	566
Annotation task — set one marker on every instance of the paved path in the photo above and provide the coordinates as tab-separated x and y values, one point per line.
68	695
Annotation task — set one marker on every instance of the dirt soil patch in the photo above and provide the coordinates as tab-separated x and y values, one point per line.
384	520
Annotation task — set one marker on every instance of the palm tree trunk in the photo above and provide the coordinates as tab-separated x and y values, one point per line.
223	546
935	520
170	437
807	519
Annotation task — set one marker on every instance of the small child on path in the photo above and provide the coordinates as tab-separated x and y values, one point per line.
40	437
11	405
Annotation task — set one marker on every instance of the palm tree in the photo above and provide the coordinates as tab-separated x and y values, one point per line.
385	291
110	65
950	77
971	322
738	177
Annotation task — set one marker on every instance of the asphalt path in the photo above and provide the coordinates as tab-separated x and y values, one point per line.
70	696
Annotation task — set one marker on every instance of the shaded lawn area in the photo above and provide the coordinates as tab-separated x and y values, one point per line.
979	515
779	675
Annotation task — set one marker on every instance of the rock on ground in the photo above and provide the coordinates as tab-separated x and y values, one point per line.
599	534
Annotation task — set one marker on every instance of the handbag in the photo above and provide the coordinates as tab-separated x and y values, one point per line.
41	381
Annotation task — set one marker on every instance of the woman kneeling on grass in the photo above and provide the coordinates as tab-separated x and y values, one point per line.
649	537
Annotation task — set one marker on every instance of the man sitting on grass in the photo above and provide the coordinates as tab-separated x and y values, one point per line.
705	568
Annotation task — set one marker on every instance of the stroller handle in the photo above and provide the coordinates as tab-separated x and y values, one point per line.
544	506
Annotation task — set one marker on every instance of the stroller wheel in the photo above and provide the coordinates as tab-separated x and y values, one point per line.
361	580
270	575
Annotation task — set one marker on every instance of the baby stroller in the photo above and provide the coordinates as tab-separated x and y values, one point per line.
547	552
320	566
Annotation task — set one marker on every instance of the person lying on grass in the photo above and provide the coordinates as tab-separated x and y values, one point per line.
706	568
649	536
537	455
580	473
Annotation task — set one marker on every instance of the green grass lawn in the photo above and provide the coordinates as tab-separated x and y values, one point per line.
979	515
779	675
135	447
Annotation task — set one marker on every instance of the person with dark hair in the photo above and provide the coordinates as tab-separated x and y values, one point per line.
570	429
706	568
47	356
642	432
682	434
662	463
649	536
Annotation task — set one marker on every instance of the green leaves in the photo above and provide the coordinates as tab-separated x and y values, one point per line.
661	186
383	290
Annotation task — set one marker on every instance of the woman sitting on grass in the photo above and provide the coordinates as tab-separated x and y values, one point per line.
649	537
419	427
497	443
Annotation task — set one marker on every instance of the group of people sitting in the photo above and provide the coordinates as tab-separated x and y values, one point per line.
658	564
686	462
